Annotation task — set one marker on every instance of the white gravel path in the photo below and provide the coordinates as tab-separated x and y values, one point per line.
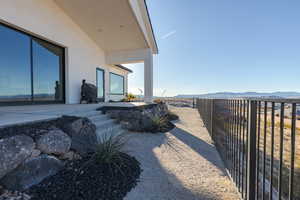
182	164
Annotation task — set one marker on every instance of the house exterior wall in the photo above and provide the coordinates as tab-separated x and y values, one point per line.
44	19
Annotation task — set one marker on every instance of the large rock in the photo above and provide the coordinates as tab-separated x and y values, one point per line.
83	135
54	142
13	151
32	172
140	119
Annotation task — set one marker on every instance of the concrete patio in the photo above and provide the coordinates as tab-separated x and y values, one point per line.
10	115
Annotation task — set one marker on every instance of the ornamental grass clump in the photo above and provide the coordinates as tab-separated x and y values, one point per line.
172	116
109	149
159	123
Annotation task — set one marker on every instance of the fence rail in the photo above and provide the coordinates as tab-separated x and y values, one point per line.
258	142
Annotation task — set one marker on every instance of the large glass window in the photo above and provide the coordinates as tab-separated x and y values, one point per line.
31	70
100	84
47	83
15	71
116	84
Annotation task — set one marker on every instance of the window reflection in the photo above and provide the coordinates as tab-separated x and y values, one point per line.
116	84
47	60
30	69
100	83
15	71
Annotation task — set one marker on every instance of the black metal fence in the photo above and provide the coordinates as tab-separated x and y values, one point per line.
258	140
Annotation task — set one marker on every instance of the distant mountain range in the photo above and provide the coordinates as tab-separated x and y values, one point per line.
242	95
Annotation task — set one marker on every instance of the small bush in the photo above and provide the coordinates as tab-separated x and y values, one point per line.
158	101
172	116
109	149
159	123
129	97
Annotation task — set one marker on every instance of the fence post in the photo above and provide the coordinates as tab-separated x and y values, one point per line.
251	168
212	118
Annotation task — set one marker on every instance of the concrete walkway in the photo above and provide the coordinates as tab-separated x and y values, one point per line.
182	164
11	115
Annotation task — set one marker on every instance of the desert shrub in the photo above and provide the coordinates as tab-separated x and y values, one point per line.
109	149
172	116
158	101
129	97
159	123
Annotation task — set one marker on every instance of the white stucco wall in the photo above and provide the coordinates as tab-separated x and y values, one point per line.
45	19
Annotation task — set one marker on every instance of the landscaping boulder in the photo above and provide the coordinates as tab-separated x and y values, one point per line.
32	172
147	123
71	155
35	153
13	151
54	142
139	119
14	195
83	134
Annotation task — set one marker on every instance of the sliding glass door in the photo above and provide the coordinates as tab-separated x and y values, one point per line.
31	70
47	80
15	66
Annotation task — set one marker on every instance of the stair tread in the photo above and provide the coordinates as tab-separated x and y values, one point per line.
113	127
89	113
98	118
106	122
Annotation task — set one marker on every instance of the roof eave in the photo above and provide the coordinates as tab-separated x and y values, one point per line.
155	49
124	68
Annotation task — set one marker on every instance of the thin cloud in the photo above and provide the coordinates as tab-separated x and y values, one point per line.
168	34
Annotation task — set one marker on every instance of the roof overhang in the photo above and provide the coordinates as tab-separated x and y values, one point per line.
115	25
124	68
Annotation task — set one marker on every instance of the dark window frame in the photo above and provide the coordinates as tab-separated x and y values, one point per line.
103	78
123	77
62	69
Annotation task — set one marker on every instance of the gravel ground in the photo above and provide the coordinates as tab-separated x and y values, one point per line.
86	179
181	164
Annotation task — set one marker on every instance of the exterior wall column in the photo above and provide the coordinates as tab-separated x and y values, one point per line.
136	56
148	78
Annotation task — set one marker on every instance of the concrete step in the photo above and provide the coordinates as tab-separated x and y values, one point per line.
97	118
88	114
110	131
106	123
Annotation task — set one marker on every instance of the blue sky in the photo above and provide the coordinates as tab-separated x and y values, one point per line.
217	45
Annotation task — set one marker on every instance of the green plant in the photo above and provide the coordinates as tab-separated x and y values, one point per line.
129	97
108	152
158	101
109	149
172	116
159	123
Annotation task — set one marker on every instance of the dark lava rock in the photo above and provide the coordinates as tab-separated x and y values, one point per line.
32	172
14	195
86	179
54	142
37	129
83	134
140	119
13	151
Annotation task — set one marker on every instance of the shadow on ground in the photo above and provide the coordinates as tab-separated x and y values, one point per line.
156	182
204	149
